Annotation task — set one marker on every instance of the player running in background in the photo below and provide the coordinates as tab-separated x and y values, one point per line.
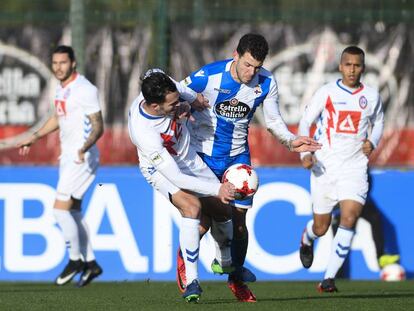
157	126
345	110
78	117
235	88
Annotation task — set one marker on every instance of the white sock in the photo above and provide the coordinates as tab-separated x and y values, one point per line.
222	233
190	247
84	241
340	249
70	232
309	235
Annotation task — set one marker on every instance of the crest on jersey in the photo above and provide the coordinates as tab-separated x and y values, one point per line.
363	102
258	90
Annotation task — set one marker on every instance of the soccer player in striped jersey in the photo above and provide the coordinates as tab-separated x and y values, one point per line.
345	111
235	88
79	120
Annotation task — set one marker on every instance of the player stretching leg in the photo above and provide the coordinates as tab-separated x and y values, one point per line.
78	117
168	162
345	110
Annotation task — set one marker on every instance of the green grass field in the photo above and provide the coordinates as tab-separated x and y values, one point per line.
353	295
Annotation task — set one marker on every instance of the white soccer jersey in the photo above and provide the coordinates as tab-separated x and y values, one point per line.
344	117
163	145
73	103
222	130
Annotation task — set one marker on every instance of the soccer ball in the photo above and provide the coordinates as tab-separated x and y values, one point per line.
244	178
392	273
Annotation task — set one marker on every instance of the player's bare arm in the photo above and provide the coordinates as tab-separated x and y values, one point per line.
51	125
304	144
367	147
97	131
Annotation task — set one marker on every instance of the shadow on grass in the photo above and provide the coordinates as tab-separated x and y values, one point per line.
322	296
30	288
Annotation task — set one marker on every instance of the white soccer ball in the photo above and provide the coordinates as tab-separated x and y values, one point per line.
244	178
393	273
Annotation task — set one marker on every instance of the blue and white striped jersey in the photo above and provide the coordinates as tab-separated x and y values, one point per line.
221	131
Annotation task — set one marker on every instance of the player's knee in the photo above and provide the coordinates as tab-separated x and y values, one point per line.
320	229
239	231
349	221
188	205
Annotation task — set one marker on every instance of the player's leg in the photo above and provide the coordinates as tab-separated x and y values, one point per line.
240	237
239	289
70	233
236	280
189	207
322	205
350	211
352	188
79	179
315	228
91	269
68	181
205	224
221	231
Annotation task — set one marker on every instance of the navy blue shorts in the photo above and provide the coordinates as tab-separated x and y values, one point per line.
219	165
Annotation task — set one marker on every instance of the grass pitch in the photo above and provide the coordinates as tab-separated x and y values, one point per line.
352	295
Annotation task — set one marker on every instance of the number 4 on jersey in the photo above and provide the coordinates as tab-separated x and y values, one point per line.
348	122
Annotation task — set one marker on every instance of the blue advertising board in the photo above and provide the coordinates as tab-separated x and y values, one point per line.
134	230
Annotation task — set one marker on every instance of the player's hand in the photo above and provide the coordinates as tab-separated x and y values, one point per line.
24	146
200	103
367	147
184	112
226	192
304	144
81	157
308	161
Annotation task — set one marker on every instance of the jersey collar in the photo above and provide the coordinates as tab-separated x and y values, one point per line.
72	78
146	115
346	89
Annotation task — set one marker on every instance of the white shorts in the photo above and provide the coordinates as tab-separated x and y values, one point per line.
329	189
195	168
75	179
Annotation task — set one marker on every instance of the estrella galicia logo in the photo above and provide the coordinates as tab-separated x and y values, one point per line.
232	109
363	102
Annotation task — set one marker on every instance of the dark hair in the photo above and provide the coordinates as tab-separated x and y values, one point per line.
156	86
65	49
354	50
255	44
